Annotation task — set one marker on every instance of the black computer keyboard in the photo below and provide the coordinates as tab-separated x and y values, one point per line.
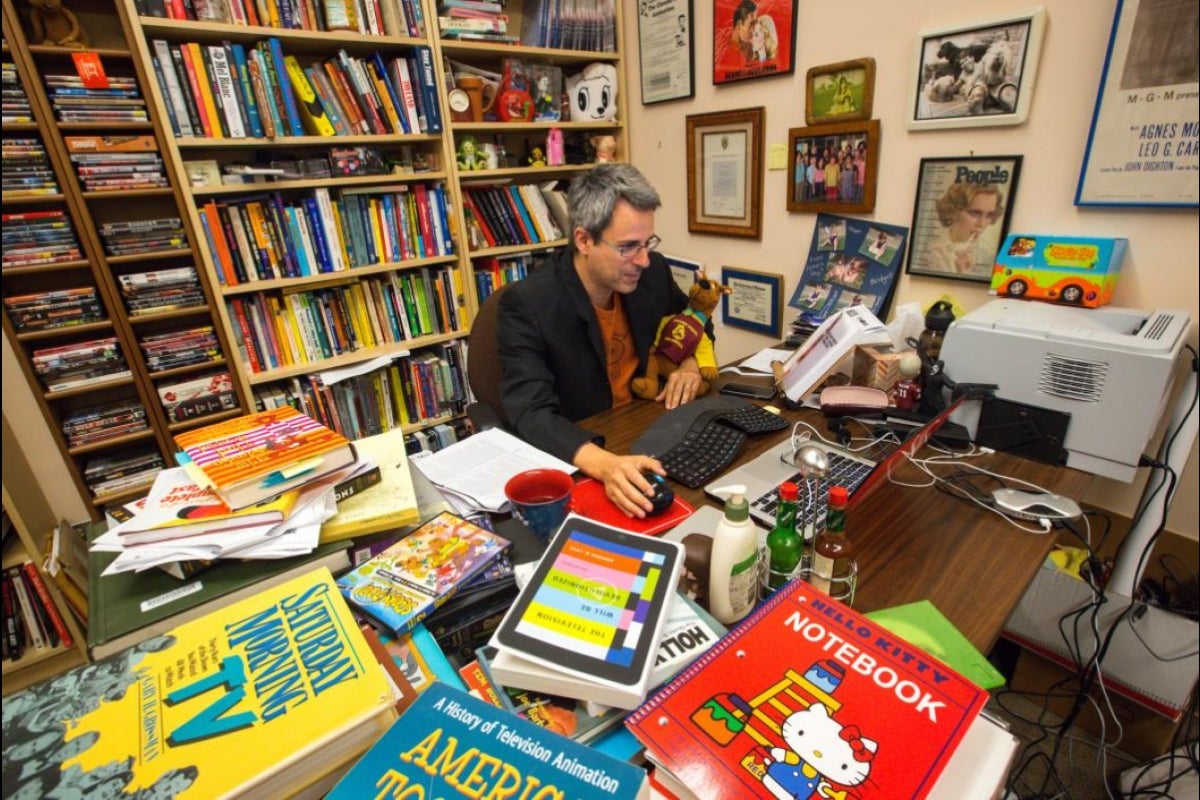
754	419
705	450
841	471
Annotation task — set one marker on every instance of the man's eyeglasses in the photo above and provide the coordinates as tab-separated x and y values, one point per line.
629	250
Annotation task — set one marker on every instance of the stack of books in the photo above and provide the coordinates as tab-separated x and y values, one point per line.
73	101
133	237
121	472
198	396
474	21
44	311
27	171
73	366
180	348
38	237
158	290
105	421
116	163
16	102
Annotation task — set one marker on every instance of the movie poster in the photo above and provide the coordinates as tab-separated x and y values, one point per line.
753	39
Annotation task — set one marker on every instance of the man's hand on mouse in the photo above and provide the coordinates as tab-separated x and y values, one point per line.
624	483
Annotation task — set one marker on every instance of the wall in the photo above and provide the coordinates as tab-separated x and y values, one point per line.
1160	269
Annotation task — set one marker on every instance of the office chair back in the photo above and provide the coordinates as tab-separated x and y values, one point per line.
483	358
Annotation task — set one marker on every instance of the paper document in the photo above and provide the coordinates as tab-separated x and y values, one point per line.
760	362
477	468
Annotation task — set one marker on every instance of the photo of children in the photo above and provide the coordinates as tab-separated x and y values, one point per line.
879	247
849	271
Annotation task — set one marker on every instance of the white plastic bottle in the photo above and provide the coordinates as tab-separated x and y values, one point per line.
733	570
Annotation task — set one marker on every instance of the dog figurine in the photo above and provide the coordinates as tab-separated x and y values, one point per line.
688	333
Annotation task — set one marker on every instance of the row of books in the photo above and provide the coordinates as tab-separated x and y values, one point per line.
31	619
179	348
61	308
431	440
97	423
71	366
137	236
121	472
72	100
158	290
492	272
38	237
368	17
26	167
409	390
16	101
514	214
228	91
136	166
263	237
197	396
305	327
571	25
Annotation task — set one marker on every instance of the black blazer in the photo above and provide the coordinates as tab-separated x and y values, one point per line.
553	356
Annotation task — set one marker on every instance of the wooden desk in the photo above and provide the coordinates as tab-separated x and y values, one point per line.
914	544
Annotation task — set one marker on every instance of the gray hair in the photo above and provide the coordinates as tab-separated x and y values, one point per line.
594	194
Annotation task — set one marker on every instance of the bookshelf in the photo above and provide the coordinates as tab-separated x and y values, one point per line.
333	242
116	420
26	509
512	139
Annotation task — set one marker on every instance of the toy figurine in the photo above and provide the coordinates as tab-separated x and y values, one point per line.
688	333
555	154
51	24
470	156
593	93
605	147
537	158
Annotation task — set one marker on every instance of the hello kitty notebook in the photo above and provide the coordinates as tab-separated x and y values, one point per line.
808	698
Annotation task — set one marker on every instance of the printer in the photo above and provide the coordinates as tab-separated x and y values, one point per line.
1111	369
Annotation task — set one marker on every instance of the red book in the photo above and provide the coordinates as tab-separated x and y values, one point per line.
807	697
34	579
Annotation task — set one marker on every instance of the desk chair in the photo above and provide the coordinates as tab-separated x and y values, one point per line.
483	365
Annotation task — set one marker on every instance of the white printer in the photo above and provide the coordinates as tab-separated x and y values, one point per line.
1111	369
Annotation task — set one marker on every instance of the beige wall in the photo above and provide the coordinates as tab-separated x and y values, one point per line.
1160	269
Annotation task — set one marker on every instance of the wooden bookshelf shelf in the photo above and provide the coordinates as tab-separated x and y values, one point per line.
333	278
309	183
135	436
362	354
53	333
142	319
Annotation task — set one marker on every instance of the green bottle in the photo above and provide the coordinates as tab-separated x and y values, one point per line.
785	545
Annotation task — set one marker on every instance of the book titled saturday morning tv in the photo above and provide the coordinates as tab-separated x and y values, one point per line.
266	697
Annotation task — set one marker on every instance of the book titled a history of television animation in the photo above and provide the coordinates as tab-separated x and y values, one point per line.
807	698
264	697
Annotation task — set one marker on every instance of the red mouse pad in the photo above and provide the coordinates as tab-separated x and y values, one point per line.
588	500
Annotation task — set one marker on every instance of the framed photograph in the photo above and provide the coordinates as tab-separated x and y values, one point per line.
667	50
684	271
834	167
756	302
978	74
724	171
840	92
1141	150
753	39
961	215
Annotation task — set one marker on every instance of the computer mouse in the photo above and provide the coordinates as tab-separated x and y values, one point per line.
1032	505
663	497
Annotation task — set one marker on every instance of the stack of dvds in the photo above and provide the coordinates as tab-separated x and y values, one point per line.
39	237
132	164
197	397
132	237
98	423
73	102
43	311
26	168
161	290
183	348
16	102
71	366
117	473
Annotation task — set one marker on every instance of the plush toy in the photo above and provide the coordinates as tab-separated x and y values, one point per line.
687	333
593	93
470	155
54	25
605	146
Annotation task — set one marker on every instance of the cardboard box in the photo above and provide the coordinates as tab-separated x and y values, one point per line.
1072	270
877	367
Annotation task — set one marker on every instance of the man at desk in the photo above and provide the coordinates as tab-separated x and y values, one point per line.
574	333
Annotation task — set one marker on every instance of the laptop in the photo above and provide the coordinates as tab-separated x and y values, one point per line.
860	475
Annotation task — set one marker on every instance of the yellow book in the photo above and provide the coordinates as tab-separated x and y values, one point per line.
206	95
266	697
341	237
391	504
394	381
362	324
312	113
286	354
293	331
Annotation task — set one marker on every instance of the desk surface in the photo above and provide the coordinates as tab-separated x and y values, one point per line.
914	544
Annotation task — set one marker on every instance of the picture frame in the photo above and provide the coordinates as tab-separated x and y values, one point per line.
753	39
755	303
724	172
840	92
684	271
978	74
961	215
1151	61
667	50
808	189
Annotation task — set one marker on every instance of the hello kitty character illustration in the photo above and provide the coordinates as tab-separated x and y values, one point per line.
821	753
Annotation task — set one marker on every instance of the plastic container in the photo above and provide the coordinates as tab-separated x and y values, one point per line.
937	322
733	565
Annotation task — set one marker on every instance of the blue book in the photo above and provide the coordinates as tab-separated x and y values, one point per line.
245	90
376	65
433	111
293	226
445	725
443	212
285	87
320	245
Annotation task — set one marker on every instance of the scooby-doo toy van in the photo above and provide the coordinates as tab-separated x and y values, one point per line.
1061	269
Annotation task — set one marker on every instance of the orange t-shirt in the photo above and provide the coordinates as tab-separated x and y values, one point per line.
621	359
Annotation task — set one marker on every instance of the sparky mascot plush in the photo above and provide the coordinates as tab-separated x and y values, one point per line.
51	24
688	333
